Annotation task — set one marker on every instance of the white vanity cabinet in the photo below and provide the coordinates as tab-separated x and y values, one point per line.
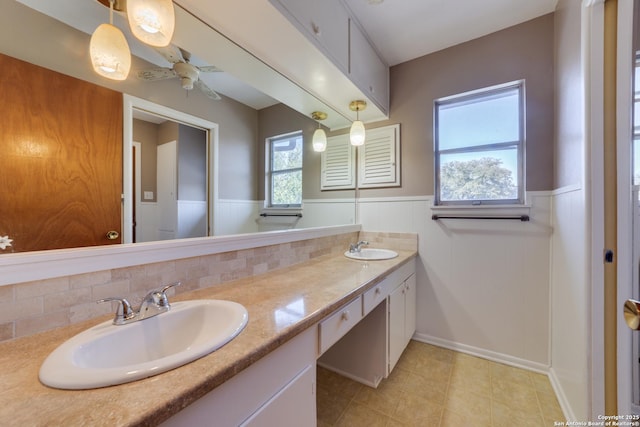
371	349
325	23
402	318
278	390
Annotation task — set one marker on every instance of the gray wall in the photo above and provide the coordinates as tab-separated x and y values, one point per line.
192	163
569	99
524	51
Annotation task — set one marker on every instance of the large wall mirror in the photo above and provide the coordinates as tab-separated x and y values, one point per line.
254	103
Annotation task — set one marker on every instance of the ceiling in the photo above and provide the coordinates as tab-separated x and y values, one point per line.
403	30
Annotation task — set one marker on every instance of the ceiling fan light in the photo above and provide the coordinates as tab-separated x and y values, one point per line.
152	21
357	133
109	52
319	140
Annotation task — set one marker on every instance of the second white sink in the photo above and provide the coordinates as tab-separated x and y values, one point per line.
107	355
371	254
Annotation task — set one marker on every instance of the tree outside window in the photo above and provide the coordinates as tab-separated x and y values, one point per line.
285	170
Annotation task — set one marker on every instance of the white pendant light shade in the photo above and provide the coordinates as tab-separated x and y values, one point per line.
109	51
319	140
357	135
152	21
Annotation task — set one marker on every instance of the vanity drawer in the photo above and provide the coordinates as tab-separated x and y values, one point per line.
376	295
339	323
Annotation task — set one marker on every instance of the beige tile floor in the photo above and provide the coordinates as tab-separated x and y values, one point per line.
436	387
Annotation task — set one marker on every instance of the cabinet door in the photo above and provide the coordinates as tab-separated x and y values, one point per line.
367	70
294	405
325	23
410	308
396	325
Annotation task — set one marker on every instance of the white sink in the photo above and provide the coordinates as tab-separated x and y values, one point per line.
107	354
371	254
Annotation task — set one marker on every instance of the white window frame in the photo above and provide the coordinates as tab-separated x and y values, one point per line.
520	144
270	173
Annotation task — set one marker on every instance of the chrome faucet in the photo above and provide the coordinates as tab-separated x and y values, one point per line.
355	248
154	303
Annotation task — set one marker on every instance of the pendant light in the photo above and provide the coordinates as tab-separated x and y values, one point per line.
319	139
357	133
109	51
152	21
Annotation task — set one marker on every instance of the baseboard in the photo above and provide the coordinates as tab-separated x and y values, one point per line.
562	398
485	354
507	360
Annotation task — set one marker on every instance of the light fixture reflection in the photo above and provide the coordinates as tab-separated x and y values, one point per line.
357	132
109	50
152	21
319	140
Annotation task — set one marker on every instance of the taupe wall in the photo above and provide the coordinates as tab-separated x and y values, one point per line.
146	133
569	126
524	51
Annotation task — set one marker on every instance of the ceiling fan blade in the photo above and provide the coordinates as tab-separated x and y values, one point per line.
209	69
171	53
156	74
207	90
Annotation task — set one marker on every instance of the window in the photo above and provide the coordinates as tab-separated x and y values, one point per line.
479	146
284	170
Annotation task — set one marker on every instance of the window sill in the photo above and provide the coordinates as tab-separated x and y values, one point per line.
281	212
481	211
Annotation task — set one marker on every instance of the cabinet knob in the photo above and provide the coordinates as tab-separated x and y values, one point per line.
345	315
378	291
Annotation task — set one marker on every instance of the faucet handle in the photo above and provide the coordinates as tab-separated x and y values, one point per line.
163	301
124	311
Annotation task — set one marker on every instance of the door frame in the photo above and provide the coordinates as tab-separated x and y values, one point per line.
131	103
624	93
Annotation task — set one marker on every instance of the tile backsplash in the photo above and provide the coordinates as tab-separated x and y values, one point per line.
32	307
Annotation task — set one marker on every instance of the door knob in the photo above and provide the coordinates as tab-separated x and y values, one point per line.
112	235
632	314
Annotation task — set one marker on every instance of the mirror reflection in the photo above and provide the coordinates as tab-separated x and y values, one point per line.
83	111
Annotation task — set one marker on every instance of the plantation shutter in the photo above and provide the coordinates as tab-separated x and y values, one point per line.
337	164
379	158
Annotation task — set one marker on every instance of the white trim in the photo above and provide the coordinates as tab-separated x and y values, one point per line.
129	103
567	189
563	401
592	51
483	353
395	199
28	266
625	210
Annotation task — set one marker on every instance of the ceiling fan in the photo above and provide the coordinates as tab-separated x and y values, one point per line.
188	73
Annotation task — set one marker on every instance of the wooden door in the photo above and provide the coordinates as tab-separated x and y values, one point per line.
60	159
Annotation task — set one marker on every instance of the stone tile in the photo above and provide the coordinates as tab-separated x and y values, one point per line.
416	410
384	399
41	287
358	415
505	415
90	279
21	309
330	406
6	331
67	299
468	405
7	293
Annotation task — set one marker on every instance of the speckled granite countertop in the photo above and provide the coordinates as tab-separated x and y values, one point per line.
324	284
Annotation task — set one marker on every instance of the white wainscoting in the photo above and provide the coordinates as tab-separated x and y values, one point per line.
236	217
192	218
483	286
147	222
570	295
